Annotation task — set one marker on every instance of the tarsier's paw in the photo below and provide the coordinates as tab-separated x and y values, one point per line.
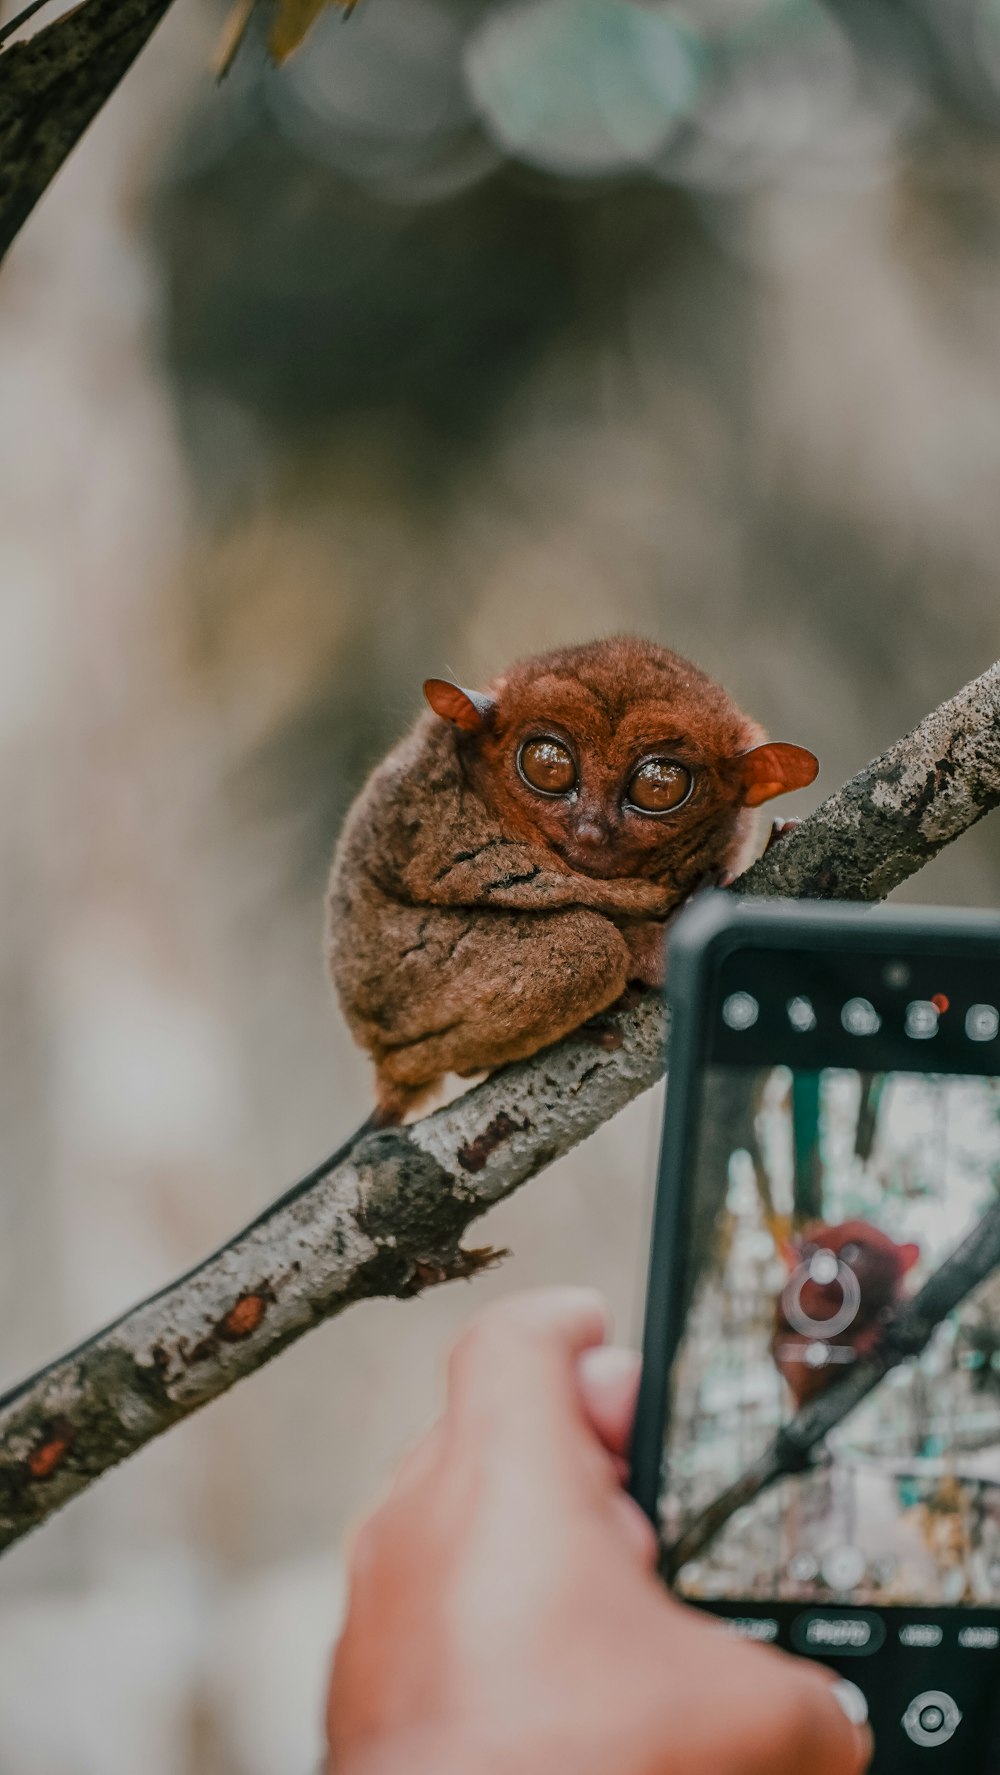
603	1031
713	878
647	953
633	995
600	1032
779	829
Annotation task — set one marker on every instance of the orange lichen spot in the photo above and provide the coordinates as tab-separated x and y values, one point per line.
244	1317
44	1461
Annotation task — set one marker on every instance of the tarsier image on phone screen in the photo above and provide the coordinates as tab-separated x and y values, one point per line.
819	1430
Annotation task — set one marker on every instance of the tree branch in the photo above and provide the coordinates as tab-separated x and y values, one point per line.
893	817
906	1334
385	1221
387	1218
52	87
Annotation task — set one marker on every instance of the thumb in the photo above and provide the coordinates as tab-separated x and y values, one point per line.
514	1371
608	1378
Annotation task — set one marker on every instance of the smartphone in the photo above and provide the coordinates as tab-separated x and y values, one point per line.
818	1429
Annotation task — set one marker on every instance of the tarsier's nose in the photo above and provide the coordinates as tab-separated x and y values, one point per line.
591	831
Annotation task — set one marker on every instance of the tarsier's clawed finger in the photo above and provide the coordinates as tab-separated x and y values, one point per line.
600	1032
779	829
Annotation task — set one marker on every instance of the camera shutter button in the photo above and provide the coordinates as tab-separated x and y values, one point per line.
931	1718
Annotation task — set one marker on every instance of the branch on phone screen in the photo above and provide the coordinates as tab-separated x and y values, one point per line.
907	1331
386	1214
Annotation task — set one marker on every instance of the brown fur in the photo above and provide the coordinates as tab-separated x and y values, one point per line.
880	1266
472	921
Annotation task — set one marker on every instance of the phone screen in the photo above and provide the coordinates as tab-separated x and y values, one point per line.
831	1480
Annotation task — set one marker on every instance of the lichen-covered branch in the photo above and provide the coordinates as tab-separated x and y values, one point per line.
388	1218
892	818
385	1221
52	87
795	1444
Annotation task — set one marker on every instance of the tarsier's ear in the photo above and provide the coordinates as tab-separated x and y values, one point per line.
468	710
908	1255
772	769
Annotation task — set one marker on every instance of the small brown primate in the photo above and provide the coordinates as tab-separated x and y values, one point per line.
508	869
843	1282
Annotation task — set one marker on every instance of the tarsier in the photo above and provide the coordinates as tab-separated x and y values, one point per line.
509	869
843	1282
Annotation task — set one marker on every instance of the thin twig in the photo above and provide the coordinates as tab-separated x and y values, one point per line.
20	18
52	87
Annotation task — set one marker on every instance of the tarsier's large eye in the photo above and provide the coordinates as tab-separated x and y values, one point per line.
659	785
547	765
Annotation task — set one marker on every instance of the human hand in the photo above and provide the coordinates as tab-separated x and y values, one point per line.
504	1615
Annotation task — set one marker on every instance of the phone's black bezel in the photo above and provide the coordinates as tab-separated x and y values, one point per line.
709	931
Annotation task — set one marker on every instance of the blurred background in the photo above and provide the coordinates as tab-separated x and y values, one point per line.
477	328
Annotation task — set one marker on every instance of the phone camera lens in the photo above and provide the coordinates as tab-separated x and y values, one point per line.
740	1010
982	1023
859	1017
801	1015
921	1020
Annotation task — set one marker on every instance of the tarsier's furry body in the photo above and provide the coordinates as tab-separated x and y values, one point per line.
496	884
809	1358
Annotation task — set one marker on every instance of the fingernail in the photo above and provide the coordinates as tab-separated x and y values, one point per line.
849	1697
